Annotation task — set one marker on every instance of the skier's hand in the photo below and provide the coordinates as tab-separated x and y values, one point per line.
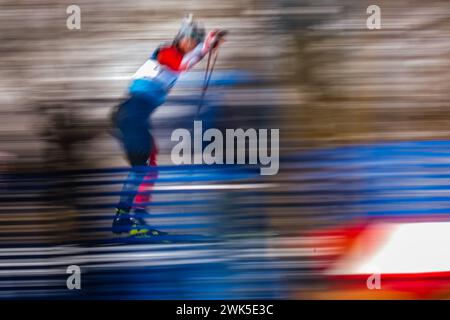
213	40
219	38
209	41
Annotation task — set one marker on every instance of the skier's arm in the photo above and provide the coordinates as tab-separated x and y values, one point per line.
202	49
193	57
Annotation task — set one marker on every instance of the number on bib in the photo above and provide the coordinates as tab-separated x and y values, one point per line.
150	69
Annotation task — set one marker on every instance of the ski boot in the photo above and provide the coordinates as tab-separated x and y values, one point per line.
125	223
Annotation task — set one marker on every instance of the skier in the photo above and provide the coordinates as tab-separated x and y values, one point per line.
148	90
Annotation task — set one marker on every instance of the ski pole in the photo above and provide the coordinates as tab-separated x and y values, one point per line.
208	73
206	80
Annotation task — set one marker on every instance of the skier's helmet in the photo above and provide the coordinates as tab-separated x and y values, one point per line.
190	29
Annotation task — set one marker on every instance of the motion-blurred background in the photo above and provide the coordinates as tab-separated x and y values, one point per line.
363	187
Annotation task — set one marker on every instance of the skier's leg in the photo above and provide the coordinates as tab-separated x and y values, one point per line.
137	156
144	197
138	159
139	148
132	122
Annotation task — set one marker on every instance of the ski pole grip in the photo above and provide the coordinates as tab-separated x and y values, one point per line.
219	35
222	33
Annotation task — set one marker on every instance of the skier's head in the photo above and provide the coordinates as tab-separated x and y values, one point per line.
189	35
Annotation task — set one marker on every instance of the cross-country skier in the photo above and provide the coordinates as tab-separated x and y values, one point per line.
148	90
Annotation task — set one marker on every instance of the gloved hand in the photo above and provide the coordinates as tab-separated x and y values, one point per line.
213	40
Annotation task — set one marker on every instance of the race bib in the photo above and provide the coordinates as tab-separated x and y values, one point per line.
150	69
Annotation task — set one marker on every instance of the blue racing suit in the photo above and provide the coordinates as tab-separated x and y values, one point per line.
148	90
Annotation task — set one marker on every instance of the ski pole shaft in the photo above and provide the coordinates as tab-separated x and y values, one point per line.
208	74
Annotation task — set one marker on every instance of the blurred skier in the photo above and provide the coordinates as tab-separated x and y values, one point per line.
148	90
